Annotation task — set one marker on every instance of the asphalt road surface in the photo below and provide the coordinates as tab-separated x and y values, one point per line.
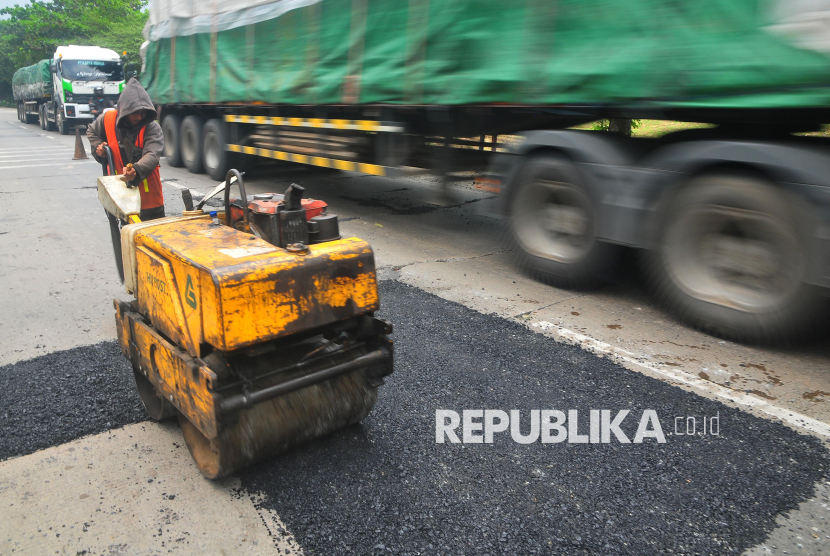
83	472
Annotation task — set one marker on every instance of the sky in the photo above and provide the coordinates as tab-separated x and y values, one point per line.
10	3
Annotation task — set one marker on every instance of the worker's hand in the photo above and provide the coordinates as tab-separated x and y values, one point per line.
129	173
99	150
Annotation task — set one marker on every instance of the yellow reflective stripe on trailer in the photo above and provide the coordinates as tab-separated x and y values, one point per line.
345	165
317	123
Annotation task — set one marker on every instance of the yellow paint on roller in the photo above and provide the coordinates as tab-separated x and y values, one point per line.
252	306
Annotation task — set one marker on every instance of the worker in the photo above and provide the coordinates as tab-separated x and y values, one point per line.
134	136
98	103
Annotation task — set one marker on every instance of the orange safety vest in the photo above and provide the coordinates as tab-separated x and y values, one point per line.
151	192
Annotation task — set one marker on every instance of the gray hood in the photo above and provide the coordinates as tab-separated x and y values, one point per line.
134	98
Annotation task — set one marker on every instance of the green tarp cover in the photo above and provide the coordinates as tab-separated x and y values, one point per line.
652	53
32	82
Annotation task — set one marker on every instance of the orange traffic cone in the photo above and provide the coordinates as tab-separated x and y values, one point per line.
80	152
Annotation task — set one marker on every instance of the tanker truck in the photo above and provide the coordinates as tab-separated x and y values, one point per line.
56	92
732	220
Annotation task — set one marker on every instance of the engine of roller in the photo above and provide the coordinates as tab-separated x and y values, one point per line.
254	326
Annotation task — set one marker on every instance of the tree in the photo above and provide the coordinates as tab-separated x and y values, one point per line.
33	32
622	126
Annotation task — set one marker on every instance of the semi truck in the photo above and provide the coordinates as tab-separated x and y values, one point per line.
732	220
56	92
31	87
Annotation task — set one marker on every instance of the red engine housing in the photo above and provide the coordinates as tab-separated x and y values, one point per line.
313	207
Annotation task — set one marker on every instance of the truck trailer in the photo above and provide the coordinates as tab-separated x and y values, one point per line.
733	220
31	87
56	92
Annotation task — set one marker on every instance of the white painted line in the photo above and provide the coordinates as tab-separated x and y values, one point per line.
21	157
44	151
793	418
39	148
21	150
68	163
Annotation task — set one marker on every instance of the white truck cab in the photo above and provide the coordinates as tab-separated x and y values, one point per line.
76	71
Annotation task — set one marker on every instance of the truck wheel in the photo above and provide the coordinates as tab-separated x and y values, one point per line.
20	112
552	222
191	144
42	116
217	159
60	122
171	126
732	260
50	125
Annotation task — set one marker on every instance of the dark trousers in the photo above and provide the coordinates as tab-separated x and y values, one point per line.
151	214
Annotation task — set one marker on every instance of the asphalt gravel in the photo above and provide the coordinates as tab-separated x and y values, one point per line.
55	398
386	486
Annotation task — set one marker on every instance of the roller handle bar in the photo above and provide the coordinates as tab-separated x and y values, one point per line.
248	399
245	209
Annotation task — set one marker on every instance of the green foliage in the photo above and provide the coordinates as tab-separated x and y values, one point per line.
32	33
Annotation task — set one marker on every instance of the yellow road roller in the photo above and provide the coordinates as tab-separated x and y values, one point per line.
254	325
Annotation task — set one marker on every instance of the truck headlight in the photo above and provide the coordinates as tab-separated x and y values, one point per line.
69	97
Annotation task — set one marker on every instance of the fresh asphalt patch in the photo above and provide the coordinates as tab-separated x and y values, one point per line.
386	486
55	398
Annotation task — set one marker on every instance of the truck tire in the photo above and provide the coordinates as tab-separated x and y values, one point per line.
42	117
171	127
552	224
217	158
20	112
50	125
191	144
60	122
731	260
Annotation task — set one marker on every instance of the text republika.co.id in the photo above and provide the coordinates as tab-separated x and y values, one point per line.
552	426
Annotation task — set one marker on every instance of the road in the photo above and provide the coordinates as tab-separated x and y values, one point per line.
83	470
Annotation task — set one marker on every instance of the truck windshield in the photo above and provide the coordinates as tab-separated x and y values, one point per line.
91	70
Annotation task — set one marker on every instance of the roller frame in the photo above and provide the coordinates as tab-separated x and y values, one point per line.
191	386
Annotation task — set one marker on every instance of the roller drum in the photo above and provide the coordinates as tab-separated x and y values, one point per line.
271	427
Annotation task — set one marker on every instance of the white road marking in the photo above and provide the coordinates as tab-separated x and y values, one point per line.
16	150
23	157
795	419
67	163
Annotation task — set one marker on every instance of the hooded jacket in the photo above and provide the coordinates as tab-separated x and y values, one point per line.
133	98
